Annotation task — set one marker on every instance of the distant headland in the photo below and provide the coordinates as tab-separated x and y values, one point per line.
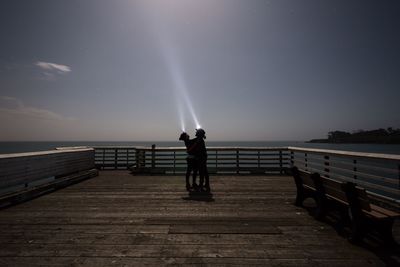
378	136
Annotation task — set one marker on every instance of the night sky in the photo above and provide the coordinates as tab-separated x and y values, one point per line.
250	69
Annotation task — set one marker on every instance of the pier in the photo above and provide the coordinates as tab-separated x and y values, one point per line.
112	206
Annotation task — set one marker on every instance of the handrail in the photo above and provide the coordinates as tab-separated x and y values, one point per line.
383	156
347	153
41	153
182	148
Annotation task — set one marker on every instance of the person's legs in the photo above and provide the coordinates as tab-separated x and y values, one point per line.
188	171
207	178
201	173
204	175
195	171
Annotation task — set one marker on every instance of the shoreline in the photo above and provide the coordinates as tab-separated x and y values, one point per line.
352	142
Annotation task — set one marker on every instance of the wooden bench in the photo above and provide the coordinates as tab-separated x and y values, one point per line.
351	200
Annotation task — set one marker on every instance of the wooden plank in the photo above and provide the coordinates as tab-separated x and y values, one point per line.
192	261
385	211
375	214
185	250
224	229
121	219
334	189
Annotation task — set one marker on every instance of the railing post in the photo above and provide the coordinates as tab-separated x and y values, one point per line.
355	169
137	161
291	158
305	161
127	158
153	156
104	158
139	158
116	158
237	161
216	160
326	163
135	157
174	162
398	167
280	162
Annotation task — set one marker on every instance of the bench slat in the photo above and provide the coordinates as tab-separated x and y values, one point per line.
309	187
306	178
376	214
338	200
384	211
333	189
340	195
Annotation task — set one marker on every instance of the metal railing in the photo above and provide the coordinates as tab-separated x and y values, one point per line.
115	157
239	160
21	171
378	173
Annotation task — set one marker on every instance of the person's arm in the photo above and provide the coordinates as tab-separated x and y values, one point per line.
192	147
187	144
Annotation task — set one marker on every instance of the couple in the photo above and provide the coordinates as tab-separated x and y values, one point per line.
196	160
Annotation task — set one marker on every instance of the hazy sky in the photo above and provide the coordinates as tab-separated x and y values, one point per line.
253	70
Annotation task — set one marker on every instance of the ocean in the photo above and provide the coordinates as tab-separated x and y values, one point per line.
18	147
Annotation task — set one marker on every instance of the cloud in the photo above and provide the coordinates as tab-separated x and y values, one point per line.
8	102
15	108
53	67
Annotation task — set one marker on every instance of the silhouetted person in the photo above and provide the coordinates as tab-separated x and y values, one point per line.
201	158
192	164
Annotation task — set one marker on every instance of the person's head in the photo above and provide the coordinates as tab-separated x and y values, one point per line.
201	133
184	136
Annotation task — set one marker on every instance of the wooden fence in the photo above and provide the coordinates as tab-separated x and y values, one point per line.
24	170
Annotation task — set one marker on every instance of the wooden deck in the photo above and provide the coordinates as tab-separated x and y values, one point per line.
119	219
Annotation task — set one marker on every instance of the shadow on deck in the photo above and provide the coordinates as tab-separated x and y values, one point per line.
120	219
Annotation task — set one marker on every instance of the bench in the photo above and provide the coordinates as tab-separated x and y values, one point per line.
351	200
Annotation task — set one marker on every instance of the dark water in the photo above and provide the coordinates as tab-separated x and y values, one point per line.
17	147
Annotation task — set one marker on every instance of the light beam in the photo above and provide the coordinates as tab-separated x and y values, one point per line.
180	87
172	62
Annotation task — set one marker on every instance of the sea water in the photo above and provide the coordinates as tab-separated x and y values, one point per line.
18	147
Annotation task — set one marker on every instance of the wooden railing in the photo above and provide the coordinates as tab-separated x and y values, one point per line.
240	160
378	173
24	170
